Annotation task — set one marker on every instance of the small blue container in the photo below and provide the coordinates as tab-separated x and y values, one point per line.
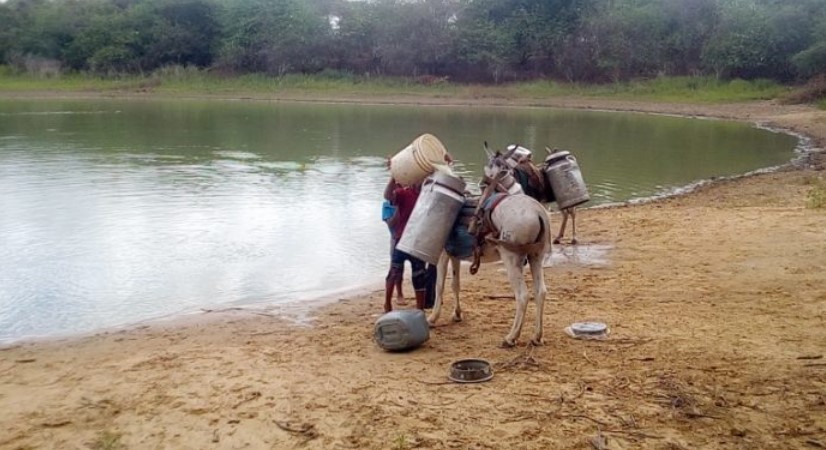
403	329
387	210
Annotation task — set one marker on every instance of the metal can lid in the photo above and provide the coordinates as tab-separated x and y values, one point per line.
449	180
588	327
557	156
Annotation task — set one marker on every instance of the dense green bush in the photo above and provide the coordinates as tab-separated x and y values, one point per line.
466	40
811	61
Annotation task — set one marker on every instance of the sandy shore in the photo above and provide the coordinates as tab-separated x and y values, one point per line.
716	302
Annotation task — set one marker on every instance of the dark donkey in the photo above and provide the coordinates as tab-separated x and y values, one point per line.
533	183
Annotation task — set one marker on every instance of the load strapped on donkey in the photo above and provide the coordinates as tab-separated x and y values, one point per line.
448	225
557	180
508	225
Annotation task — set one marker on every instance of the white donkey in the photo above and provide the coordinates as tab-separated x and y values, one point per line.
518	229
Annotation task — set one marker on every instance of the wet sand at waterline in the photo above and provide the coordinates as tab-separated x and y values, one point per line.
716	303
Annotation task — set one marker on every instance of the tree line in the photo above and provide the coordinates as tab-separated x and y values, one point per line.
465	40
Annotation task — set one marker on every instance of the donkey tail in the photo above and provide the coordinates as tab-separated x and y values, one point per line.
541	228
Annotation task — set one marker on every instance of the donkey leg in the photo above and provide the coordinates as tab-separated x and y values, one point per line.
540	291
455	264
562	226
441	272
573	226
513	264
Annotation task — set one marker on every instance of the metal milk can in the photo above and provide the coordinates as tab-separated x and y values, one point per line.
517	155
436	210
562	172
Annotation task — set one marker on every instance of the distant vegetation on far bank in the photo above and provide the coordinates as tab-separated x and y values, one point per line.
176	80
466	41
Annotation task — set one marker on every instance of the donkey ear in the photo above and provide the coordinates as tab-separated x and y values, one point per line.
548	149
488	151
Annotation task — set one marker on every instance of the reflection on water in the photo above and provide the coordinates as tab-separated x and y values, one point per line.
112	212
90	240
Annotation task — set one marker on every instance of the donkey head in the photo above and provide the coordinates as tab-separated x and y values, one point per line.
499	169
494	171
496	167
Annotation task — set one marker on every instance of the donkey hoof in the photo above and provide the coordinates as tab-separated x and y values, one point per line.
431	321
457	317
507	344
556	241
574	241
537	342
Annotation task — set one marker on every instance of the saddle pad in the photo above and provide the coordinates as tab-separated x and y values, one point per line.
459	241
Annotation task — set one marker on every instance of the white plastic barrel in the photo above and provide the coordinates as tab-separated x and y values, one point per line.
415	162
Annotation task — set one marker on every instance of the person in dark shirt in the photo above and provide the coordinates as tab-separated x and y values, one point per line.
404	199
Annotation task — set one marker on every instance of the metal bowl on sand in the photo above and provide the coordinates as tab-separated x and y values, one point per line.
470	371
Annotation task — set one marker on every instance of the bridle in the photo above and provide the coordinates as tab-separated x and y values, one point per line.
492	184
478	227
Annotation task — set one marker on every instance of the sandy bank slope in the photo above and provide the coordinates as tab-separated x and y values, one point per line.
716	301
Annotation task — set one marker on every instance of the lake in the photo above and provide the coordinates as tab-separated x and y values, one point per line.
118	211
